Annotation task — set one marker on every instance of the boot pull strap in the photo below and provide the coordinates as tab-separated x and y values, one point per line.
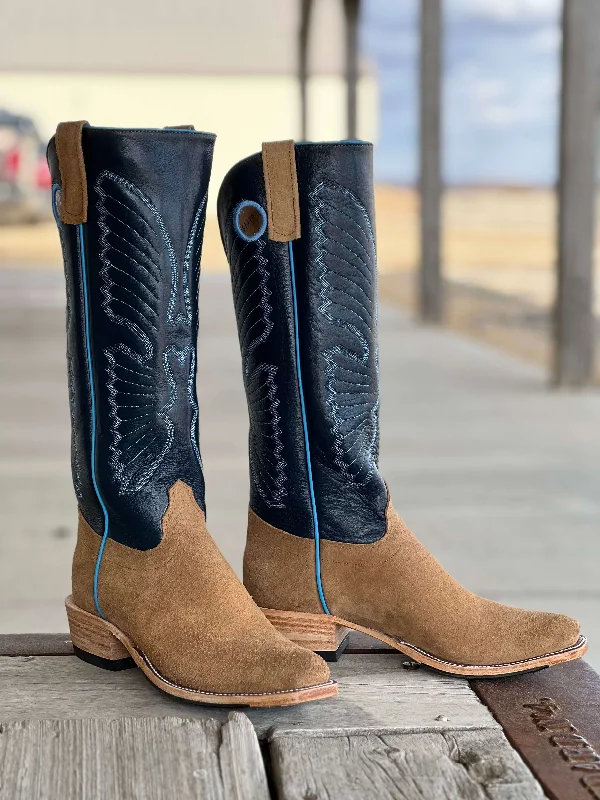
72	208
281	186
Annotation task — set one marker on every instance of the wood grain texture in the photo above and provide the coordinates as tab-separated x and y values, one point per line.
318	632
242	766
376	693
36	644
454	765
90	633
150	758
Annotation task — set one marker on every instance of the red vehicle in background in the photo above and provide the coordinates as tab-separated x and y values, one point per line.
24	175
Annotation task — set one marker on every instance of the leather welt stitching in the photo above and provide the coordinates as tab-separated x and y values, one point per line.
226	694
579	643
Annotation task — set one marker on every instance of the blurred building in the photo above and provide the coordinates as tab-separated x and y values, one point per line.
226	66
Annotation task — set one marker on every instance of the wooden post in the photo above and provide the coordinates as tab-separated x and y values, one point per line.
351	13
430	278
574	311
305	14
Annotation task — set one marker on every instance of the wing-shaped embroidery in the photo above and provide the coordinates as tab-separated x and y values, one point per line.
191	266
343	256
251	293
267	467
135	249
180	307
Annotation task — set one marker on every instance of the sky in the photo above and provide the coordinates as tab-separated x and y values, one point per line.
500	89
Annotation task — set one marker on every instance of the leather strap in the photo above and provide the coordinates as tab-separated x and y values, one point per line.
72	208
281	185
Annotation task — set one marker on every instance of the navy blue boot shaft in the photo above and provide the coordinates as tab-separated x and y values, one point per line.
132	272
307	321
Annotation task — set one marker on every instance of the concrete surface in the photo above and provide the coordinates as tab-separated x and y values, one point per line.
499	477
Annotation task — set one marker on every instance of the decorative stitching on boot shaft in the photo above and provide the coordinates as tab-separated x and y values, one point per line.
134	244
251	293
343	256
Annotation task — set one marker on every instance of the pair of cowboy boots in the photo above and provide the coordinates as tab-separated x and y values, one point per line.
326	552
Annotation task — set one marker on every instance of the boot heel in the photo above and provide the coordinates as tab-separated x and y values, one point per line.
93	641
317	632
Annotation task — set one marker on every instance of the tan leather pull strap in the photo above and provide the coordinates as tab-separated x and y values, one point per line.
281	185
72	208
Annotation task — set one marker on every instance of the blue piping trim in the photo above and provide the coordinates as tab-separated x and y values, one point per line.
55	189
306	442
236	220
88	347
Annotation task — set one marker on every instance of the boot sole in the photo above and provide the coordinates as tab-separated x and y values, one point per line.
325	633
102	644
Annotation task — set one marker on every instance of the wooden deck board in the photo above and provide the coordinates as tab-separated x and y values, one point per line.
36	644
392	733
376	693
149	757
453	765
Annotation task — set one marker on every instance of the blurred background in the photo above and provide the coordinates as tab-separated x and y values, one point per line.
483	113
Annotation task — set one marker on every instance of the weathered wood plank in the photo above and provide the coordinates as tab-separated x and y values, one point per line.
430	181
375	693
36	644
454	765
150	758
553	718
574	309
242	766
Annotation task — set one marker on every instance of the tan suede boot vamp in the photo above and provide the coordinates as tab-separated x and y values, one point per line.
184	608
397	587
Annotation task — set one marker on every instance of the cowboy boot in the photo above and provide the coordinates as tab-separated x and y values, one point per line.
150	587
326	551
